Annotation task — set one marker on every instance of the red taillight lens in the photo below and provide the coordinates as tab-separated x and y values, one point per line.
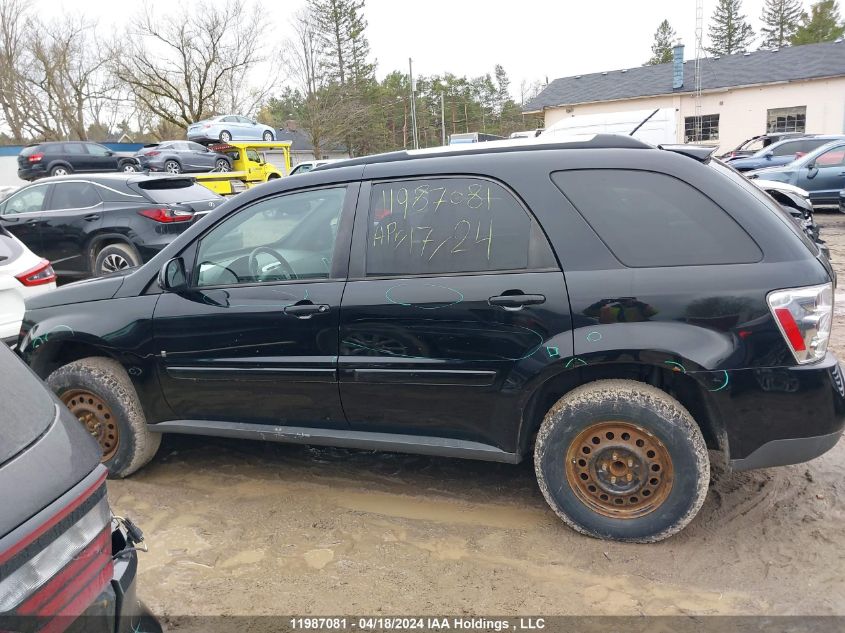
166	216
804	317
35	158
62	565
41	274
152	153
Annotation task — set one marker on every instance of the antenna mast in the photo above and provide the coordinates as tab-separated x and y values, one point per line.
699	52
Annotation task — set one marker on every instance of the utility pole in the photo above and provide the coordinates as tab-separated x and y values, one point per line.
443	118
413	105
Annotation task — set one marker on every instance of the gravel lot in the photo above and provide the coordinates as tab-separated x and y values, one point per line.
250	528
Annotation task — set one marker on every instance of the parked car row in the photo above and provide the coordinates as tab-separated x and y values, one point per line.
71	157
98	224
821	173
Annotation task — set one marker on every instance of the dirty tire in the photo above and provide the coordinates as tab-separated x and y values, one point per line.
107	379
658	415
60	170
115	257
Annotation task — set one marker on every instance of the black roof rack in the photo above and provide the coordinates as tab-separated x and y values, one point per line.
598	141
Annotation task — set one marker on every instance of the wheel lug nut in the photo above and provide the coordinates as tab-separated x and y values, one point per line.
613	480
614	457
630	476
630	463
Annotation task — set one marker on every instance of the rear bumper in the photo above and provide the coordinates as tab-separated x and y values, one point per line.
781	415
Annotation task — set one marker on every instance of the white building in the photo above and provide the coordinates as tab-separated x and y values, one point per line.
794	89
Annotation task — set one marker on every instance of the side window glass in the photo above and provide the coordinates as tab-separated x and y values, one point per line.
26	201
787	149
650	220
74	148
74	195
445	225
96	150
285	238
831	158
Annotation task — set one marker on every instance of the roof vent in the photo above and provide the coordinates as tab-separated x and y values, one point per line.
717	58
775	50
624	70
577	76
604	73
746	54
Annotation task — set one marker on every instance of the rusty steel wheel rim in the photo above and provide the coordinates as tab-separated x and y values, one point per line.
97	417
619	470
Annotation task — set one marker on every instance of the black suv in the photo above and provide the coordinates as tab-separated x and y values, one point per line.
99	224
68	157
609	308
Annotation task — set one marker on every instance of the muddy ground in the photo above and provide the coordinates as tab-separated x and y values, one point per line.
250	528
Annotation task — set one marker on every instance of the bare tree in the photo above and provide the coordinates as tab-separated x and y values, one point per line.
193	64
324	113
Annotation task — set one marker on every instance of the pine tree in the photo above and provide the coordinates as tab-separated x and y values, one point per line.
503	86
781	19
729	32
664	40
339	27
822	25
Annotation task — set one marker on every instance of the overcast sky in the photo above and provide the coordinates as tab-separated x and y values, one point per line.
532	40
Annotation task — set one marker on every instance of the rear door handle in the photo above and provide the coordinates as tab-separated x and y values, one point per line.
305	310
92	216
516	302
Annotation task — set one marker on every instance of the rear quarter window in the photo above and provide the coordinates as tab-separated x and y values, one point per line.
649	219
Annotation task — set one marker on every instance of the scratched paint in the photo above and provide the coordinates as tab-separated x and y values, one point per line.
393	295
727	379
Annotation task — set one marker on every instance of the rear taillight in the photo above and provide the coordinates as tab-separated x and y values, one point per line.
35	158
152	153
167	215
804	317
41	274
55	572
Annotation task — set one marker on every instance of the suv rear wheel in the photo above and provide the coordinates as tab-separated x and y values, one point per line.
115	257
60	170
99	393
622	460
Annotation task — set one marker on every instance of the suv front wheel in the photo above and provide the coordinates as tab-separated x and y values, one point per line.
99	393
622	460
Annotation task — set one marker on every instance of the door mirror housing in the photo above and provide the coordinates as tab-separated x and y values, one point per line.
769	154
172	276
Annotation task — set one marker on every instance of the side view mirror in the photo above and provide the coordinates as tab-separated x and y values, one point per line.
172	277
769	154
109	153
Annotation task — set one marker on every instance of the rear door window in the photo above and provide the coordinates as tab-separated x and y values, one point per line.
649	219
445	225
74	195
787	149
74	148
28	200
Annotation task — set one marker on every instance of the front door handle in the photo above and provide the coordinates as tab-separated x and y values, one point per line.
516	301
306	309
92	216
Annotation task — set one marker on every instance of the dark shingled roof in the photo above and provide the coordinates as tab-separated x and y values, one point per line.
793	63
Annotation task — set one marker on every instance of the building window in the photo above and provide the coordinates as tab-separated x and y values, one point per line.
787	119
703	128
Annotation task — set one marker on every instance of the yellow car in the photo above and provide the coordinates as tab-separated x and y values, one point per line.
249	166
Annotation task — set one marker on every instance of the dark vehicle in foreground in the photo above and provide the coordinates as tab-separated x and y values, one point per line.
71	157
177	157
821	173
607	309
93	225
756	143
65	560
782	152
